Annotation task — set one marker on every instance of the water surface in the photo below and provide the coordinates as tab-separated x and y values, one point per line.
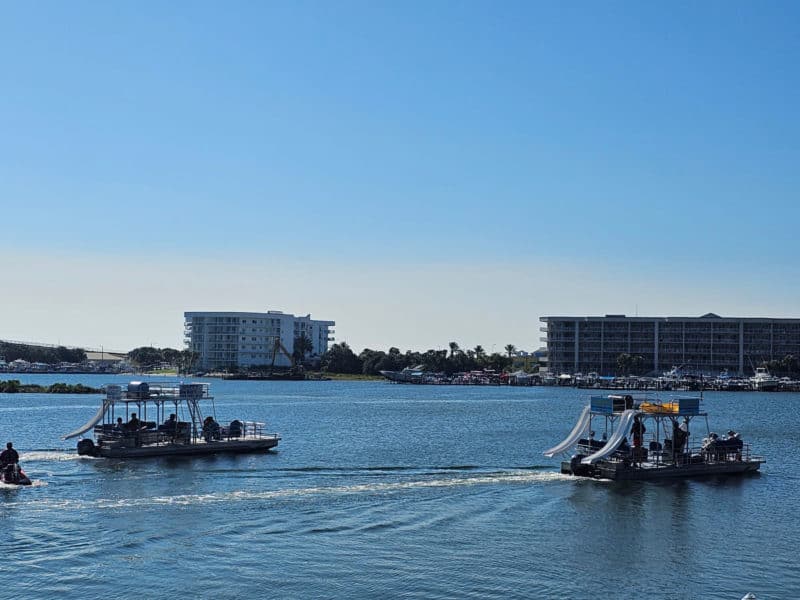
381	490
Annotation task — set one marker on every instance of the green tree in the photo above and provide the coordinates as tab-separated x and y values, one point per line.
510	349
302	347
624	363
187	361
453	349
341	359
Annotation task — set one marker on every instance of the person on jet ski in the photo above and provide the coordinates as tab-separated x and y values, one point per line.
9	456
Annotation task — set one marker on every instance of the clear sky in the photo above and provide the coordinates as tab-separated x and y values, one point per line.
419	172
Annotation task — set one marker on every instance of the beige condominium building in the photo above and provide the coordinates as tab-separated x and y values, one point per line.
248	339
709	344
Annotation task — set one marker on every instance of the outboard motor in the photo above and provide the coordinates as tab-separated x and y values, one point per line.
86	447
235	429
578	468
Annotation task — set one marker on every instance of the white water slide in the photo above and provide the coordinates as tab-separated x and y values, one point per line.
580	428
623	427
89	424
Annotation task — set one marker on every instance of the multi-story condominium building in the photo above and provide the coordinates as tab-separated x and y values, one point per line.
709	344
246	339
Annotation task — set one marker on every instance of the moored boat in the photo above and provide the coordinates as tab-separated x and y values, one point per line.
660	447
120	433
763	381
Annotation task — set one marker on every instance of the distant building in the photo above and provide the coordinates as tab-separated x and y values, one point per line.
106	359
709	344
247	339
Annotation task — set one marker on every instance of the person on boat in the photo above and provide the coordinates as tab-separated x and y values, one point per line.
171	424
211	430
637	430
9	456
120	425
134	424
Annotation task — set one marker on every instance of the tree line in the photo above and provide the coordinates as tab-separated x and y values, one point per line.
13	386
148	357
41	354
340	358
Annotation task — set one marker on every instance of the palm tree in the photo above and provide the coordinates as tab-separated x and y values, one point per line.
302	346
453	349
510	348
479	351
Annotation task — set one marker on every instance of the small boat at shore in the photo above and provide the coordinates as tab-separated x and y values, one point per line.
660	448
120	433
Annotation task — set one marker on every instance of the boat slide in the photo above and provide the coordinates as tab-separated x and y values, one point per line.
616	438
577	432
89	424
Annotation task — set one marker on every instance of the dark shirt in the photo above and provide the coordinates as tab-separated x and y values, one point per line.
9	456
134	424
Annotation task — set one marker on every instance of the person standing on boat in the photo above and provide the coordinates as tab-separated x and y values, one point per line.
637	430
9	456
684	429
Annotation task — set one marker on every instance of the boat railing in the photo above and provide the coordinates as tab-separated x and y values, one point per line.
112	436
144	391
693	454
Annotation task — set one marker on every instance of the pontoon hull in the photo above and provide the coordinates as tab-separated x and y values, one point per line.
199	449
618	471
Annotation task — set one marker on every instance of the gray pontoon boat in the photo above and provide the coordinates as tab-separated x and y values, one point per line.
660	446
122	430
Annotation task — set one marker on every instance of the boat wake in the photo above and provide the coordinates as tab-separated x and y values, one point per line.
491	478
50	455
406	468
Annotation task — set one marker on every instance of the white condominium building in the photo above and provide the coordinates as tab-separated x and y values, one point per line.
246	339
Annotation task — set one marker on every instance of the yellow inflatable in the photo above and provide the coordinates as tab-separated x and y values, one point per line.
658	407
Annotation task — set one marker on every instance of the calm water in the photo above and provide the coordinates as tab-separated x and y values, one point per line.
380	490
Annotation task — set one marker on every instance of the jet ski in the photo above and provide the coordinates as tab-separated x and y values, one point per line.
14	475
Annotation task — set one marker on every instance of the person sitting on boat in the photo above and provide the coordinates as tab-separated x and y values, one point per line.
120	425
171	424
9	456
211	429
134	424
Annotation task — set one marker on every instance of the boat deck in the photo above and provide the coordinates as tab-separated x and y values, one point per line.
197	448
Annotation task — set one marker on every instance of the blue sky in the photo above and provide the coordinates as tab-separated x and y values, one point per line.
400	153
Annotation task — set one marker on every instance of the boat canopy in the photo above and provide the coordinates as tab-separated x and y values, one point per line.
90	423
